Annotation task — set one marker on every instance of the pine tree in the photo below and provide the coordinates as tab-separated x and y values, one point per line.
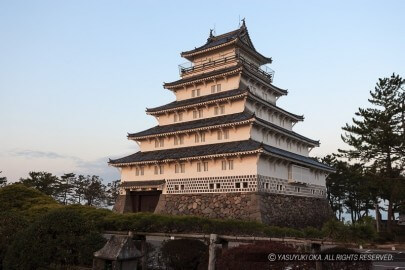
3	180
376	140
112	191
65	187
43	181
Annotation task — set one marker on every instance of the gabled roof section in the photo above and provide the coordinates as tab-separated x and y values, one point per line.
218	97
230	94
222	149
240	37
236	119
303	160
201	124
217	150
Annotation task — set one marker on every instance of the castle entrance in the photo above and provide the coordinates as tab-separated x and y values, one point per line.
145	201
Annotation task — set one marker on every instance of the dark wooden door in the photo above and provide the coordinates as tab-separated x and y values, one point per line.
145	201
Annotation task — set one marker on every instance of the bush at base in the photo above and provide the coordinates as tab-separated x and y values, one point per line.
185	254
56	240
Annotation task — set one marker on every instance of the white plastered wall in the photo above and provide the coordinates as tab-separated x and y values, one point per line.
259	91
246	165
279	169
231	107
272	139
270	115
229	83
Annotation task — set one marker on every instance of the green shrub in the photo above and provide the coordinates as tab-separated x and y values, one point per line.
10	224
60	238
362	231
185	254
311	232
274	231
335	230
27	201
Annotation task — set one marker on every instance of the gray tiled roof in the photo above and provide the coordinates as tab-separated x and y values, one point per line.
241	34
215	41
142	183
192	151
221	71
224	94
196	100
202	76
218	148
219	120
290	132
295	157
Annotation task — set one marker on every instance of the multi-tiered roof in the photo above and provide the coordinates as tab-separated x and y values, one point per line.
245	104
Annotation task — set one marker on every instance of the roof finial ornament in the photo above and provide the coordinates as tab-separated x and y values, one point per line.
211	35
243	23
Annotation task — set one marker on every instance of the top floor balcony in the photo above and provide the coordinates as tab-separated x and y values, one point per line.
188	68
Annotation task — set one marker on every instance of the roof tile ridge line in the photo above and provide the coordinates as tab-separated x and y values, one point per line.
193	129
277	107
308	157
228	33
244	27
196	51
223	116
292	159
257	119
231	71
196	98
253	50
188	158
200	103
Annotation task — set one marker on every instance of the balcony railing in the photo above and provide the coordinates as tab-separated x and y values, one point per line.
264	70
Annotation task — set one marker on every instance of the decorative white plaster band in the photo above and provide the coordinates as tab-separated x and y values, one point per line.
242	183
282	186
224	184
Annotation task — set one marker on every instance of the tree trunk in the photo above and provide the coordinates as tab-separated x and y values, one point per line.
351	215
390	202
377	218
389	216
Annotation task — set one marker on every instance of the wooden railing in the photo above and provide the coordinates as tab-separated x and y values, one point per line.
187	68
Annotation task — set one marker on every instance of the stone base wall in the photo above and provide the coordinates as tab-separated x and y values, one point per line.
213	205
269	208
123	204
294	211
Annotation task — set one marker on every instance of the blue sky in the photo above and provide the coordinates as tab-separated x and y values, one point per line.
76	76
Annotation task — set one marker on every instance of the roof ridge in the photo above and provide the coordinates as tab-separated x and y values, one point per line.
286	130
219	149
203	75
174	153
171	128
197	100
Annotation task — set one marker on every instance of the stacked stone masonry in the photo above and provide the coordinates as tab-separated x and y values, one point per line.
271	209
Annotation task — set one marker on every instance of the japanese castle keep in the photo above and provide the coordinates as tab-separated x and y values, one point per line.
224	149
